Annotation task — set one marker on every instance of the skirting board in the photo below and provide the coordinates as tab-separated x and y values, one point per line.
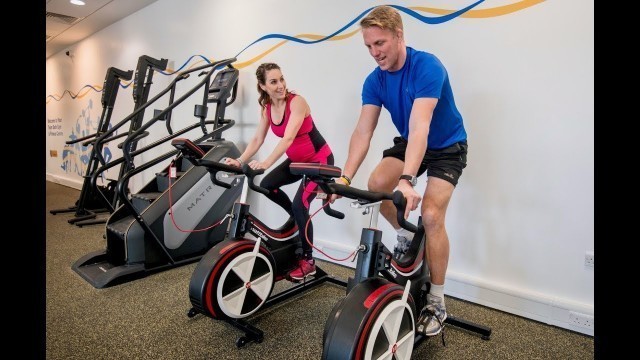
75	183
528	304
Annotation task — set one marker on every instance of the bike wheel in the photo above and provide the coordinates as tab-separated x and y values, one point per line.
375	321
240	281
332	320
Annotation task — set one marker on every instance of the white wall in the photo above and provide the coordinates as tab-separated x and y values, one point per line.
521	218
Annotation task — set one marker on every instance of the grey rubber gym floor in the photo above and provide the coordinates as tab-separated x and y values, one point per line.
147	318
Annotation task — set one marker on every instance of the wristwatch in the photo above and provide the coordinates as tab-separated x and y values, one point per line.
412	179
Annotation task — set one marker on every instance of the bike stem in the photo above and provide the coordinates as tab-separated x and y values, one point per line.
369	261
370	208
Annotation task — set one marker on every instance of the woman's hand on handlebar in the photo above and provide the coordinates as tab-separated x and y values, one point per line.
258	165
232	162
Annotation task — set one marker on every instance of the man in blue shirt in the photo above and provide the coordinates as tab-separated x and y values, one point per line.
414	87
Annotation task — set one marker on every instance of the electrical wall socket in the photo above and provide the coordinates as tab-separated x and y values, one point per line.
581	320
588	259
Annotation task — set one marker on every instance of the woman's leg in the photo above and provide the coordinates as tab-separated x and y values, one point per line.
277	178
301	203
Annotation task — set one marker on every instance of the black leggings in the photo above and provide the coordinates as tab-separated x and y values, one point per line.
299	209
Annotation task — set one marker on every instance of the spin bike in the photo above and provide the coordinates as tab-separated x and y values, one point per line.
377	319
235	278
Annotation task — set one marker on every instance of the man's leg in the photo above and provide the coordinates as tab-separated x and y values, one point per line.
434	207
384	178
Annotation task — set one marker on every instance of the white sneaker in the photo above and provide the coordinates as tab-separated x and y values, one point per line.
432	316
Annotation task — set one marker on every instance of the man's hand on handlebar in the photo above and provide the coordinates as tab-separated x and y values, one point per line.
335	197
413	198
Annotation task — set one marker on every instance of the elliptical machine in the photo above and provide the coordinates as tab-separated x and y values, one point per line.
235	278
376	320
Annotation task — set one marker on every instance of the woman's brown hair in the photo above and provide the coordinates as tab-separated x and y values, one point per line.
261	74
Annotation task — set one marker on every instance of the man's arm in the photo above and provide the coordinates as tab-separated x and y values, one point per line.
361	139
419	122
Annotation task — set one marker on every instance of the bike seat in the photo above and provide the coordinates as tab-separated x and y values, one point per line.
315	170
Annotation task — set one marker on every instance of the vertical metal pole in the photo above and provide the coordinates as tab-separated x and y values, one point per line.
245	189
375	210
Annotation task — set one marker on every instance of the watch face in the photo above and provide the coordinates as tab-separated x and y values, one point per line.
412	179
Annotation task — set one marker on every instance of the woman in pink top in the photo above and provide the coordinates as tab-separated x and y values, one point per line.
289	117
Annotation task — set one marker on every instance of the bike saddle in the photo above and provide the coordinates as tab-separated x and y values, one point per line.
315	170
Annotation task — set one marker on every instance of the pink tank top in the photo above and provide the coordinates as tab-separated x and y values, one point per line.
308	145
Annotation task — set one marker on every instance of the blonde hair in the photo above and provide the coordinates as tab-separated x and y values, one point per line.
385	17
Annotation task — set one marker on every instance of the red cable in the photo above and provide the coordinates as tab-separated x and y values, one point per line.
306	236
171	211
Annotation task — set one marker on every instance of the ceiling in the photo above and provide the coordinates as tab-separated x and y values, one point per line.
67	24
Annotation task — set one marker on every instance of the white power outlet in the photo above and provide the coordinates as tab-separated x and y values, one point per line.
588	259
581	320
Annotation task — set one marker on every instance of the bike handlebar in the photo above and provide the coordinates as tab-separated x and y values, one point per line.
365	196
331	212
245	170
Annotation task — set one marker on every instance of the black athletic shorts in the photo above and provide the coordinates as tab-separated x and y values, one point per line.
446	164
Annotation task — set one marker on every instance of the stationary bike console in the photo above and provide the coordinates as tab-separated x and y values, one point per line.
188	148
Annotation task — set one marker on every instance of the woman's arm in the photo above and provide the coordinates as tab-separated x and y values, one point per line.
255	143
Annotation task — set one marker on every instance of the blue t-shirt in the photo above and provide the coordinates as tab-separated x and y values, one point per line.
421	76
